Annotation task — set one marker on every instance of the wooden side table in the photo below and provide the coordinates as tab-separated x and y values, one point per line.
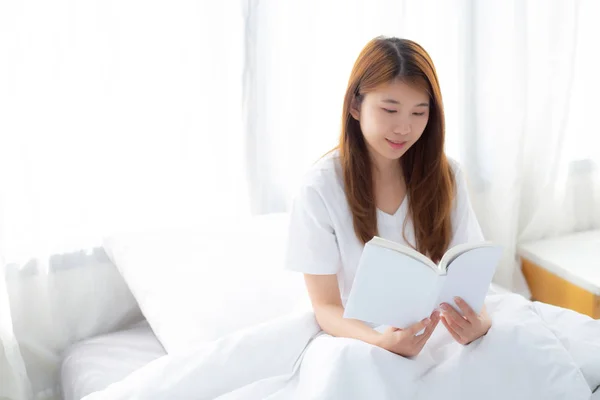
565	271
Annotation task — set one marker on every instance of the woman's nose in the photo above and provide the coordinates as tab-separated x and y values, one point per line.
402	129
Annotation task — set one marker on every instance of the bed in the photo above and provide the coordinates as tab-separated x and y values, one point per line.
95	363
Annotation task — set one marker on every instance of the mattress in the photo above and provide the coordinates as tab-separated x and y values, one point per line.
95	363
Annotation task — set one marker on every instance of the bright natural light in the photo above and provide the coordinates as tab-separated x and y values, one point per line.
172	225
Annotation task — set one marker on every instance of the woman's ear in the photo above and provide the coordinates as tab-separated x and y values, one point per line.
355	108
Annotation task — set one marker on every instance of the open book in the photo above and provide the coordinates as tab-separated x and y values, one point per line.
396	285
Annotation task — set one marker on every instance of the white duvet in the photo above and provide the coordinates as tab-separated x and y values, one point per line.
532	351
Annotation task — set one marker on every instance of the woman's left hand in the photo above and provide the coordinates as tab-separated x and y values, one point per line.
465	329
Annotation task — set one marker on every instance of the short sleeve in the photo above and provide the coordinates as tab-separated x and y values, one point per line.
312	245
465	227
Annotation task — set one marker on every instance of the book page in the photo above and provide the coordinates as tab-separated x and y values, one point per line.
405	250
391	288
456	251
469	276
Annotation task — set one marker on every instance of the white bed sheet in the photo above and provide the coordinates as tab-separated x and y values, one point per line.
95	363
533	351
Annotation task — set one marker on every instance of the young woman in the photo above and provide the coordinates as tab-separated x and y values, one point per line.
389	177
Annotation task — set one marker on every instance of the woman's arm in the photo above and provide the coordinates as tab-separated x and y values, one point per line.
313	250
325	297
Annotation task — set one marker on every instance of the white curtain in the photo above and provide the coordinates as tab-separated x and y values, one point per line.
13	375
517	79
114	115
532	149
304	52
138	115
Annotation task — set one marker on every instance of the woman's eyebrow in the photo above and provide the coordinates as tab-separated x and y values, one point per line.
397	102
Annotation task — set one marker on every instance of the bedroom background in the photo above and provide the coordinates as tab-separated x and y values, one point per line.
130	115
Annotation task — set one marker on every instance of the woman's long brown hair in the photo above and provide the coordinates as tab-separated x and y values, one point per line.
428	176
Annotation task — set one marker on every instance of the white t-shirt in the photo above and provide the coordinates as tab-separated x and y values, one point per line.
322	240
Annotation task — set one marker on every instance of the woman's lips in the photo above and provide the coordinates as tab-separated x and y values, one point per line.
396	145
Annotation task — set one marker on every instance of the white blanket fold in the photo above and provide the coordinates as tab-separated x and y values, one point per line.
532	351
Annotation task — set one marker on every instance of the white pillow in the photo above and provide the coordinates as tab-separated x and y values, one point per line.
198	285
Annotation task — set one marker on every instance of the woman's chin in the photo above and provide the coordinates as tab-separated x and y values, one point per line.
394	153
383	151
387	154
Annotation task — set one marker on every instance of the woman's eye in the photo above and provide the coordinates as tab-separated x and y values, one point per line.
419	114
389	111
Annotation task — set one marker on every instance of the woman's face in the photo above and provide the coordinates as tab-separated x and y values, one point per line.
392	118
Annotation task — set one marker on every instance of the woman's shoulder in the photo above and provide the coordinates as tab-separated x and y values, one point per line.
454	165
462	187
325	174
320	192
458	172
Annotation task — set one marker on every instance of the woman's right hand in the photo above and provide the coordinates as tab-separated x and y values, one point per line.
404	342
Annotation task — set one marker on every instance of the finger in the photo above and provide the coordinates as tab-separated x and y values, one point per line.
434	318
428	331
418	327
455	335
449	328
484	312
421	340
453	316
466	309
455	327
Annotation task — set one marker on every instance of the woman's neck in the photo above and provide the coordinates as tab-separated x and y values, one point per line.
385	171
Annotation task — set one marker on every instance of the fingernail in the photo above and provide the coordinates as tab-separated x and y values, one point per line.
426	322
445	307
436	314
458	300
